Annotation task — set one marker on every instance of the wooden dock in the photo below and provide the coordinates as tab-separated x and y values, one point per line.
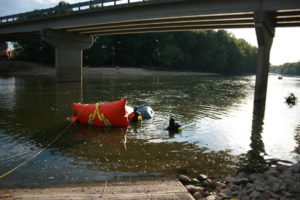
129	190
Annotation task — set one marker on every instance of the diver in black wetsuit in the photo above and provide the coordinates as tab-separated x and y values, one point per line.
291	99
173	126
136	115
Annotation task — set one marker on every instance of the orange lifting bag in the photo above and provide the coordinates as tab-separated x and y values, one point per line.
101	114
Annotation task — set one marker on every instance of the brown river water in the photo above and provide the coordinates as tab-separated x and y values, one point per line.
222	133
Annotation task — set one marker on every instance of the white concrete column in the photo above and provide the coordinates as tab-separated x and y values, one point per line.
264	32
68	53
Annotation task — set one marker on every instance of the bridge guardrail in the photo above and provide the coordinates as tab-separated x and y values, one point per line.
64	9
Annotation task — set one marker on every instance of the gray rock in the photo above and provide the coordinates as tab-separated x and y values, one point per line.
212	197
275	187
267	187
296	168
242	175
265	195
234	194
259	188
282	187
254	194
229	179
271	172
210	183
221	185
202	177
254	177
294	188
271	180
241	181
243	195
193	189
249	190
184	179
234	188
197	195
194	181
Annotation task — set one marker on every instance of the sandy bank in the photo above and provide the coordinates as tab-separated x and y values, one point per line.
19	68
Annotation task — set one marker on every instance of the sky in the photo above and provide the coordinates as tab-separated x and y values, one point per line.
285	48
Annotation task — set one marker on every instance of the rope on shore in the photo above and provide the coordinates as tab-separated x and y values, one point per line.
38	153
103	190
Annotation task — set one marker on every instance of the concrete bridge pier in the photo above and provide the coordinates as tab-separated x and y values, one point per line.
265	33
68	53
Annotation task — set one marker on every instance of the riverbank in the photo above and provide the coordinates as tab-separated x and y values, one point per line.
20	68
279	182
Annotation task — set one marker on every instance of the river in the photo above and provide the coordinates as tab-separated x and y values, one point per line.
222	133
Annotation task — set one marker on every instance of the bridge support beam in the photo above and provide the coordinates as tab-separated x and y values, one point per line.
265	33
68	53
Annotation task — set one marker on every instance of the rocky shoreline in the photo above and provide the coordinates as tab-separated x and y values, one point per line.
279	182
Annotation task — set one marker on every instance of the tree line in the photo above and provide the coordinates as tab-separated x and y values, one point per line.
205	51
287	69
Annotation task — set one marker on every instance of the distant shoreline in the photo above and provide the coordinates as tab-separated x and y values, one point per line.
20	68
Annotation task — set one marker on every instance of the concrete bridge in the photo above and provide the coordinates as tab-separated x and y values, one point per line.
70	29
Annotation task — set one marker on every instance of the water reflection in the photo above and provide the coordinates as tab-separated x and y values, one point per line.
111	135
254	160
297	139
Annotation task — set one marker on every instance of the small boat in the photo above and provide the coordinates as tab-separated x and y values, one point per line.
101	114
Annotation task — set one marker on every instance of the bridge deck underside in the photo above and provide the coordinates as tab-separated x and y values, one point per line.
283	18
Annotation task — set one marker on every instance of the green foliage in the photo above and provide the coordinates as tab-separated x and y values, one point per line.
206	51
287	69
34	51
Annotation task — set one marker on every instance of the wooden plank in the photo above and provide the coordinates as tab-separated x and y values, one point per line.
130	190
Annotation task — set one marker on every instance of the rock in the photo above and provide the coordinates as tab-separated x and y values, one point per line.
281	168
193	189
194	181
296	168
241	181
202	177
210	183
265	195
221	185
254	177
271	180
242	175
275	187
223	196
259	188
197	195
254	195
235	188
230	179
250	190
243	195
259	185
271	172
184	179
282	186
212	197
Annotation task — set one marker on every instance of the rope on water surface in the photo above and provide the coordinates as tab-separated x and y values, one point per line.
38	153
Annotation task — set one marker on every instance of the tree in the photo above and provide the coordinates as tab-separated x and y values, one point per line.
206	51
